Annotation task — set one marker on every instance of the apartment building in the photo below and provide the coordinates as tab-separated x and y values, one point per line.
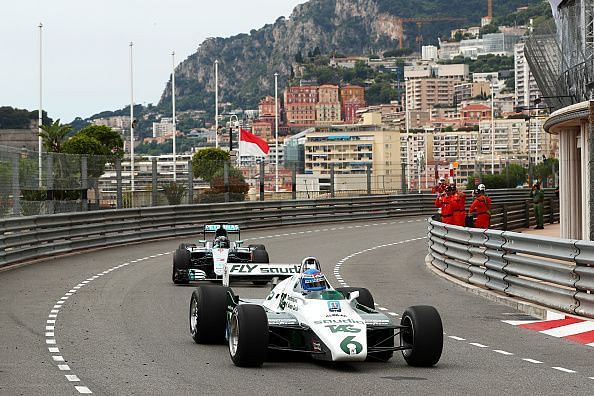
352	98
429	86
348	151
300	104
328	106
266	107
526	88
163	128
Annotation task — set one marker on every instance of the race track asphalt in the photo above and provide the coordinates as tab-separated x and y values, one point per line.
124	330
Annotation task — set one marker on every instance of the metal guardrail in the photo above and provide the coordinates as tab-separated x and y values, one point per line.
553	272
35	237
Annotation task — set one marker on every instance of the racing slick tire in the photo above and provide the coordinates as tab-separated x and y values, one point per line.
181	262
257	247
260	256
248	335
365	297
208	314
423	335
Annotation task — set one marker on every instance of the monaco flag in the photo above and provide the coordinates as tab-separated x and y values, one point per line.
250	144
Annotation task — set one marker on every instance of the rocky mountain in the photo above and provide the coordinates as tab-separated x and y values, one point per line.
247	62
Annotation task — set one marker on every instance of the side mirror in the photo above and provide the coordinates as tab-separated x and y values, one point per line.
353	295
239	242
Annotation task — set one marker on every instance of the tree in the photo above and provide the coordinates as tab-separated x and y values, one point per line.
515	175
206	162
545	170
110	141
54	135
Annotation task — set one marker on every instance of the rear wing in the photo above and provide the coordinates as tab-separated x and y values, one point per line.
253	271
232	228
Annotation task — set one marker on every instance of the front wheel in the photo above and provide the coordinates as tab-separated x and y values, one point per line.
208	313
422	335
181	264
248	335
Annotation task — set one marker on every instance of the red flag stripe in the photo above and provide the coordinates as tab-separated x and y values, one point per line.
247	136
550	324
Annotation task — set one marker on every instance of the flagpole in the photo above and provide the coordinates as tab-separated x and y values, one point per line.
173	120
276	127
131	126
217	103
40	115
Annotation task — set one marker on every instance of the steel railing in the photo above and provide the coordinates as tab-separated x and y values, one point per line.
553	272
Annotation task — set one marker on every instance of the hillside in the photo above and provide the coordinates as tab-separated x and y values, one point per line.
247	62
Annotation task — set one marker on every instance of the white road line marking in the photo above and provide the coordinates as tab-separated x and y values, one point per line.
83	390
532	361
392	313
53	350
50	321
68	294
64	367
85	282
382	308
503	352
52	316
49	333
563	369
50	341
574	328
50	328
71	291
72	378
476	344
592	378
58	358
457	338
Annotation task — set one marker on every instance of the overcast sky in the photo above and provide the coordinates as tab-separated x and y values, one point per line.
86	49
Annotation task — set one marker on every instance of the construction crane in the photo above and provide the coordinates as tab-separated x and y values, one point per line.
420	22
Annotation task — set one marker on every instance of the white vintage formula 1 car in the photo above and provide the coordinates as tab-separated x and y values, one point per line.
303	313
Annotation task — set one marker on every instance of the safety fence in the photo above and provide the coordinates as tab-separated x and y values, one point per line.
553	272
35	237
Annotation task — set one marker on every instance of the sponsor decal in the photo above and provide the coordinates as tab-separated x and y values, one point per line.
334	306
343	328
250	268
270	296
339	321
378	322
282	303
350	346
332	315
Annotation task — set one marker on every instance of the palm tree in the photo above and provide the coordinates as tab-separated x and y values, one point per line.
54	135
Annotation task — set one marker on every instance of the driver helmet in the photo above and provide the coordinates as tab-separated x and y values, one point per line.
480	188
451	188
222	242
313	280
442	180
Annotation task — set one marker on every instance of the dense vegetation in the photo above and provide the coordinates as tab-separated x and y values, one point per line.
12	118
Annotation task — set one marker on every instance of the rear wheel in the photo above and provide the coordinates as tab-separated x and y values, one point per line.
208	314
365	297
248	335
423	336
181	264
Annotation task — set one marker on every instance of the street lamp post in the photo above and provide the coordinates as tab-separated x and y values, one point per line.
131	124
217	103
407	124
276	128
40	115
173	110
492	130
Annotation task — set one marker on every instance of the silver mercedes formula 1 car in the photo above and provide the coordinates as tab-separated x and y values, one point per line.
303	313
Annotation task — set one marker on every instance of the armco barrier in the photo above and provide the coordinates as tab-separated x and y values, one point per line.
557	273
29	238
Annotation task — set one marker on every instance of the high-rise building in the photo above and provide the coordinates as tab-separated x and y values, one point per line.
300	104
352	98
328	106
526	88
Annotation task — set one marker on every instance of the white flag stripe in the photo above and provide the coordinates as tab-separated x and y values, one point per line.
520	322
574	328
